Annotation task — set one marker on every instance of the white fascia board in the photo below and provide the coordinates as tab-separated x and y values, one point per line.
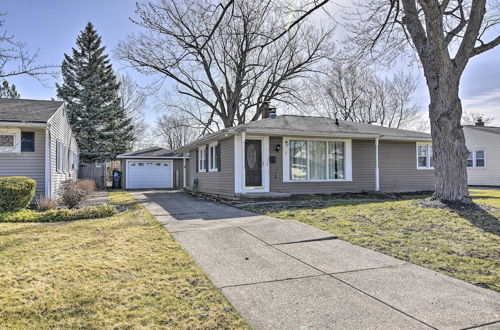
22	124
414	139
273	132
146	157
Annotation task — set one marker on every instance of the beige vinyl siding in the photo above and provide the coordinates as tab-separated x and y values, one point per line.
363	172
398	168
30	164
61	130
490	143
218	183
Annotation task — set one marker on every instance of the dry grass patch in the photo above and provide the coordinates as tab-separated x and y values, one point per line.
123	272
460	243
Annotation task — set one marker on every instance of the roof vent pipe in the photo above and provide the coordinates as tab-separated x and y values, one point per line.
337	121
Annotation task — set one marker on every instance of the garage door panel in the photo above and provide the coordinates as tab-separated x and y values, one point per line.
149	174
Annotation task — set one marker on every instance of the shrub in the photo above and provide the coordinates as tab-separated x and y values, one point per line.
16	193
91	212
71	194
45	204
86	185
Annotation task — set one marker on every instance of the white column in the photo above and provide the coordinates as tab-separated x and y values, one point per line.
184	170
243	178
377	173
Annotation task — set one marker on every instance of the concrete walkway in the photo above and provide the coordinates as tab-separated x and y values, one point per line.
287	275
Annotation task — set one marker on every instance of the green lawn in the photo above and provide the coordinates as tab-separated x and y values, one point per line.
463	244
122	272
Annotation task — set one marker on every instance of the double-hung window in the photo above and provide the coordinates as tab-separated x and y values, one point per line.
201	159
424	156
317	160
476	159
212	157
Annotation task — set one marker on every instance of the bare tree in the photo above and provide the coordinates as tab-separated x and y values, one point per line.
133	100
443	35
470	118
176	131
354	92
15	59
255	54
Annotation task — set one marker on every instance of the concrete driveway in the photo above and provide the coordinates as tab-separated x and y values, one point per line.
284	274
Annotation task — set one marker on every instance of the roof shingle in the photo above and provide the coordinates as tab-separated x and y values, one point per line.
33	111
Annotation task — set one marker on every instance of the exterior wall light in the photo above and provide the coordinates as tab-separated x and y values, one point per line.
278	147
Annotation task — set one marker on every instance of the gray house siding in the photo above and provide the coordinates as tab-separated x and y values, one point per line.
60	130
218	183
30	164
363	172
398	168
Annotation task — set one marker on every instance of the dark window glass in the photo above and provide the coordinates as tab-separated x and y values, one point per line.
27	141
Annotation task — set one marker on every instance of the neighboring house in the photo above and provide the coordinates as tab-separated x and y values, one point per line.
483	163
308	155
153	168
36	141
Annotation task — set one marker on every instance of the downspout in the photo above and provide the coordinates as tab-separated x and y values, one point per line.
377	172
48	172
243	179
184	170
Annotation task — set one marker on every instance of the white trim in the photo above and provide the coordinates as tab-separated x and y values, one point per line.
239	164
474	158
242	165
238	172
149	157
127	172
347	159
16	139
47	163
377	170
201	160
184	170
21	124
428	156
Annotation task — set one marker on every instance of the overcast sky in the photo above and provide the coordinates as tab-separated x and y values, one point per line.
53	25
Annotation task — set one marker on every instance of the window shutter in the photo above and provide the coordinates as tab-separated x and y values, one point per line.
206	158
218	157
197	159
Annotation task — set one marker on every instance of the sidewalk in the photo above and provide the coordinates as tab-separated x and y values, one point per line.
287	275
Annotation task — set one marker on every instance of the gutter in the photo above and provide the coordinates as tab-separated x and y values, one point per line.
23	124
148	157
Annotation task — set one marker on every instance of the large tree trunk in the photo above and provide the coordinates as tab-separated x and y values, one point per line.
450	152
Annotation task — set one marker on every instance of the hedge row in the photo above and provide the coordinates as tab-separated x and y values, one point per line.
16	193
90	212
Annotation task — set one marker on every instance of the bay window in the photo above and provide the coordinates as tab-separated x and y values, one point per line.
316	160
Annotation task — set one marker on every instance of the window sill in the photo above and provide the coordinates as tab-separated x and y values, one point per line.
424	168
214	170
311	181
476	168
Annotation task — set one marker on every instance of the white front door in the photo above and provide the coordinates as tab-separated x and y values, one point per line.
143	174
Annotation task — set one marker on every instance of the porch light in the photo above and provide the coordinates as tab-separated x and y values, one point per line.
278	147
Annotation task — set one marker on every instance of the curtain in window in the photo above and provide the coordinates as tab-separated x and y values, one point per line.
422	156
298	160
317	160
336	160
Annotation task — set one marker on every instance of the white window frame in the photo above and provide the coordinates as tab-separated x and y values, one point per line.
347	159
16	133
201	159
429	155
474	164
212	159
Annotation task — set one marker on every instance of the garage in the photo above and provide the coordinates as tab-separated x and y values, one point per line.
150	174
153	168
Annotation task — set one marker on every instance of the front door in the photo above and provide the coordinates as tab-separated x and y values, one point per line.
253	163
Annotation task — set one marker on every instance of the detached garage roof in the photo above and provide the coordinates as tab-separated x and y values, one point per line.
31	111
151	153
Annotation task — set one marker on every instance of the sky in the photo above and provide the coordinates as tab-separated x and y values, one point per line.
51	27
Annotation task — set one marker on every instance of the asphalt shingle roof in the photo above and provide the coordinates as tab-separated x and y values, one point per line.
491	129
151	153
34	111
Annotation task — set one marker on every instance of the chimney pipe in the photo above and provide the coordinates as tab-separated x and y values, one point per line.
337	121
272	113
264	110
479	122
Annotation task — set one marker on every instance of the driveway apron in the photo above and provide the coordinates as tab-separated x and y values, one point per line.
282	274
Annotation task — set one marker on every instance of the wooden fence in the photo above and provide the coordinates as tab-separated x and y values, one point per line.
94	171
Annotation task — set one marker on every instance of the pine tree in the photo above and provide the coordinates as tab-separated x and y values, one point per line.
90	88
8	91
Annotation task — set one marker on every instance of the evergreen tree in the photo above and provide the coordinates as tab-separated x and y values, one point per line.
91	90
8	91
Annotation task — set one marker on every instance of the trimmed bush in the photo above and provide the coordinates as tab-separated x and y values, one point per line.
91	212
71	194
16	193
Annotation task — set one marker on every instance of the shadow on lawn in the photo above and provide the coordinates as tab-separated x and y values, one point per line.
481	219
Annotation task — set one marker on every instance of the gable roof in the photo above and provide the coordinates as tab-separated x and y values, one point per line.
292	125
491	129
31	111
154	152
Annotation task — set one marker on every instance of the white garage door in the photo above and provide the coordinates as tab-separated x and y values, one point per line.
149	174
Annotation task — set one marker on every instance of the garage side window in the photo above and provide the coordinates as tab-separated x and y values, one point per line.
201	159
213	162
